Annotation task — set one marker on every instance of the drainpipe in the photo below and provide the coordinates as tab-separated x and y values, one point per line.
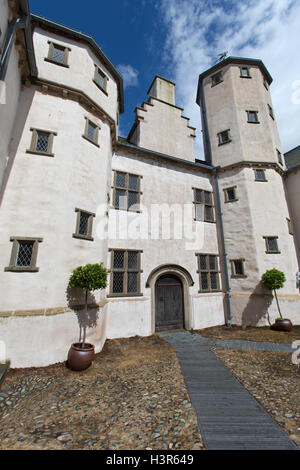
224	255
13	27
208	156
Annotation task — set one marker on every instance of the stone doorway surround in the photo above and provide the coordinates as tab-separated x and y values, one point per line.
187	282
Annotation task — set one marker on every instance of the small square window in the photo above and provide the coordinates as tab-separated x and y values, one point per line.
290	226
230	194
279	157
224	137
271	245
84	225
237	268
100	79
24	254
91	132
58	54
42	142
245	72
253	117
216	79
260	175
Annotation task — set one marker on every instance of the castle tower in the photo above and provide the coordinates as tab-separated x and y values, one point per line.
241	139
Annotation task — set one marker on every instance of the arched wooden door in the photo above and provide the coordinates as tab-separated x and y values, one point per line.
169	311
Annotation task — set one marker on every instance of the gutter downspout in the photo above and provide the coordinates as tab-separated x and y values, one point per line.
224	255
13	27
208	156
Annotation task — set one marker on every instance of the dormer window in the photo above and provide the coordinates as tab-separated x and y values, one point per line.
216	79
245	72
100	79
58	54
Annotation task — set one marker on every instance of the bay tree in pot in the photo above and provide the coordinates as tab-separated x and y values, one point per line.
274	279
89	278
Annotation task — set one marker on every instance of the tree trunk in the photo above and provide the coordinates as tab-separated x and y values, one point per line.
277	303
84	326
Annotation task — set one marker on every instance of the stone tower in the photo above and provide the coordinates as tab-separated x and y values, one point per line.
241	140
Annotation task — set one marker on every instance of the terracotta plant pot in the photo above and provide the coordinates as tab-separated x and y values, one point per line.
283	325
80	359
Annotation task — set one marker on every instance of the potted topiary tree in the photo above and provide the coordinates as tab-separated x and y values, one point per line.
89	278
273	280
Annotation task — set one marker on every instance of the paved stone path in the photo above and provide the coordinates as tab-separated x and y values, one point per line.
228	416
3	369
243	344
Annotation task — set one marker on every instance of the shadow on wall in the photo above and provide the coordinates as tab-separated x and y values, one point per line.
257	307
76	302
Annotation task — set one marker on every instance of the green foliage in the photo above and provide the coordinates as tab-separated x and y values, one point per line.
90	277
273	279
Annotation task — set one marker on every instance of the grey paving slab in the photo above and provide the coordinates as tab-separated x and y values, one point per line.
3	369
228	416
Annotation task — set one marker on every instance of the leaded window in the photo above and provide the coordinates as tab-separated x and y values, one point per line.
100	79
260	175
58	54
91	132
24	254
84	225
209	276
42	142
224	137
204	207
253	117
126	191
125	273
230	194
237	268
272	244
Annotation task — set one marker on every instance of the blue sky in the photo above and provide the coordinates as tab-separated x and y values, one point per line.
179	39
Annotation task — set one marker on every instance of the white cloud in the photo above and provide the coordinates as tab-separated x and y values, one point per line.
129	74
198	30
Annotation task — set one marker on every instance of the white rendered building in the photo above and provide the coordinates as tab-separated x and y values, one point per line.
65	175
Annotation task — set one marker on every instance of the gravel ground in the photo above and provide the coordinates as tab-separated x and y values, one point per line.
132	397
273	380
251	333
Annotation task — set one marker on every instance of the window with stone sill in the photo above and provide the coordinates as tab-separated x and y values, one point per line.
58	54
42	142
272	245
290	229
260	174
24	254
84	225
252	117
216	79
224	137
209	273
126	191
91	132
238	268
204	206
230	194
279	157
245	72
125	273
100	79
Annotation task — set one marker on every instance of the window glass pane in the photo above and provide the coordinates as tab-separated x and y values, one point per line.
132	199
132	282
238	267
83	224
199	211
252	116
58	54
91	131
209	214
260	175
119	259
203	262
24	253
120	199
198	195
100	79
245	72
132	260
42	142
213	263
217	78
204	281
224	136
207	197
214	281
118	282
272	244
133	182
231	194
121	180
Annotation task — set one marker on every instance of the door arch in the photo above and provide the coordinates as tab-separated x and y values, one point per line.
169	306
